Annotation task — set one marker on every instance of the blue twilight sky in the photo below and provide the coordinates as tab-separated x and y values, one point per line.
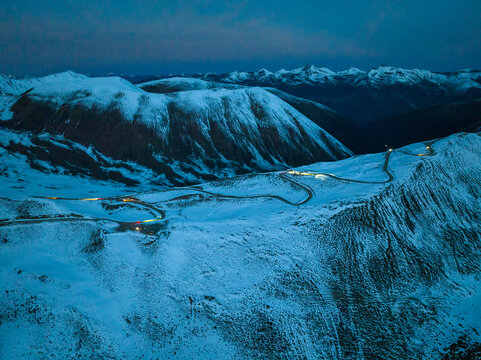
145	37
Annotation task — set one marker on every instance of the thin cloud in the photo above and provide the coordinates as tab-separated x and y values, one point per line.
180	37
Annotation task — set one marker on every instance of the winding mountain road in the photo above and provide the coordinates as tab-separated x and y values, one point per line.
385	167
117	202
283	175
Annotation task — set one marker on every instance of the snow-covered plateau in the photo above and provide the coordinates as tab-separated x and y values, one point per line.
372	257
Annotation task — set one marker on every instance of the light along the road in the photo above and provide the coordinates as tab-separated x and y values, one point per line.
130	199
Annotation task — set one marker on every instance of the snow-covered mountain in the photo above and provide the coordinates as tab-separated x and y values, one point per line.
17	85
346	131
365	95
373	257
176	84
379	77
202	132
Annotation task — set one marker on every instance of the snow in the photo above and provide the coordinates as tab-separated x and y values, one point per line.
237	76
352	71
204	285
233	258
16	86
377	77
186	83
202	103
298	99
21	180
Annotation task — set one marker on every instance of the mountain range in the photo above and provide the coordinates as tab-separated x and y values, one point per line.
368	100
303	214
365	95
184	136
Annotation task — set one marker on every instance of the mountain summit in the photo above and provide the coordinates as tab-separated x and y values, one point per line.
185	136
365	95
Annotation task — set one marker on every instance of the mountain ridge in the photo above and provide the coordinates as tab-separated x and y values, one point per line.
365	96
375	76
204	131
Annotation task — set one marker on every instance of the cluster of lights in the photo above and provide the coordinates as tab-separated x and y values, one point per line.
305	173
294	172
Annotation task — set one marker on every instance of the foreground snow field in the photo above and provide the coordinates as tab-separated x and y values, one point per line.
359	271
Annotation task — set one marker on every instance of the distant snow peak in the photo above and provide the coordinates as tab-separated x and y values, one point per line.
383	75
264	72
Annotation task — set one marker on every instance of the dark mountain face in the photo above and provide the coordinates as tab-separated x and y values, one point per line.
406	127
342	128
430	123
184	136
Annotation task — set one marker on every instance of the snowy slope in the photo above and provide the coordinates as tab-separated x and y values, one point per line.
16	86
365	95
175	84
347	132
187	135
361	270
